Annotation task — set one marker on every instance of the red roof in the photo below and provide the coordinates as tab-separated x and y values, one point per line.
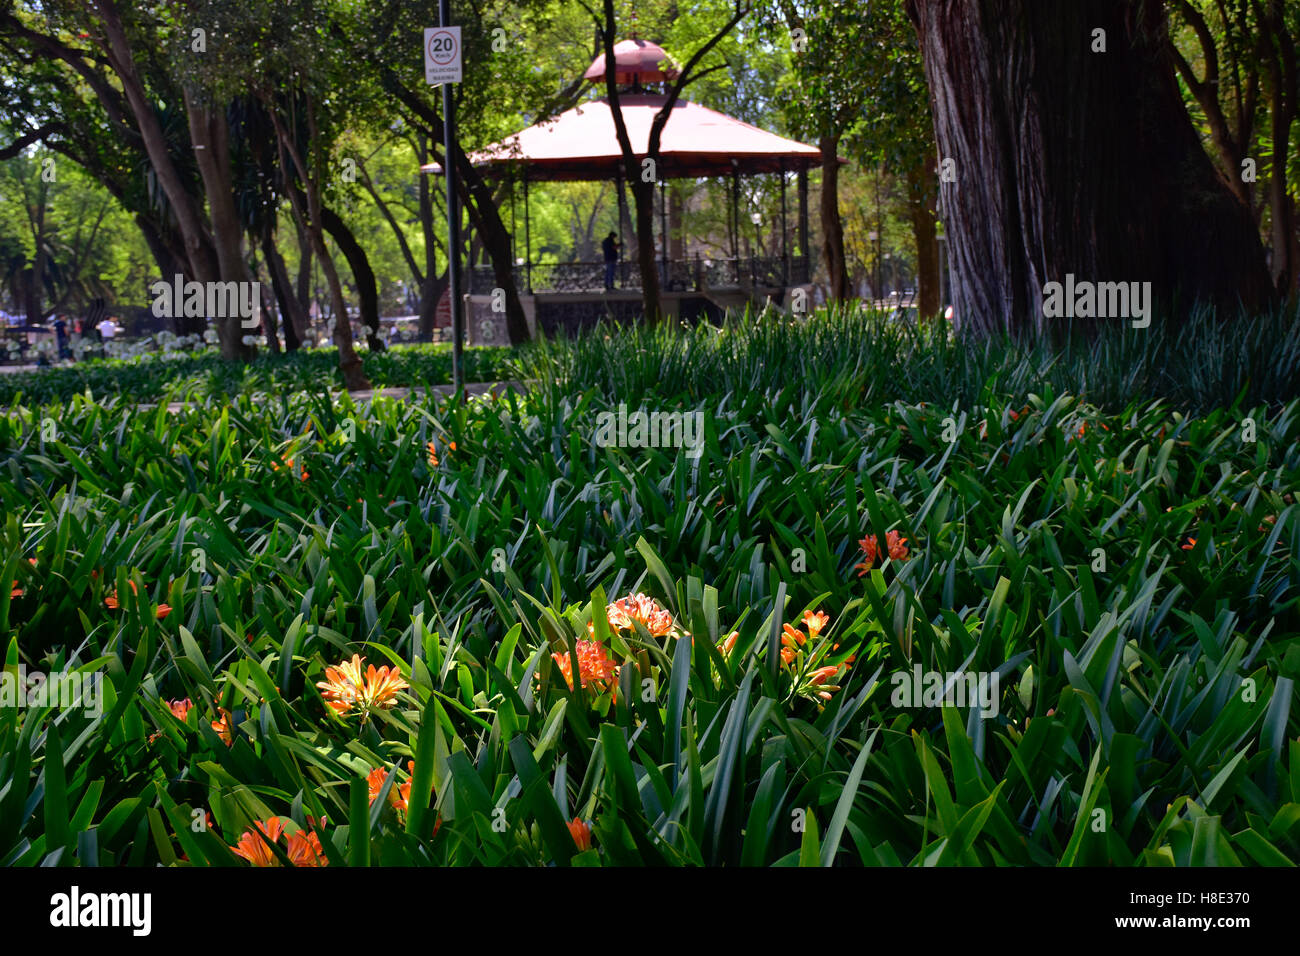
581	143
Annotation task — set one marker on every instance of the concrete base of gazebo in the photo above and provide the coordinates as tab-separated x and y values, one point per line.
569	312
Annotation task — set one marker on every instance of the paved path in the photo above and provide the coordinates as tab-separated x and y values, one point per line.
442	391
367	394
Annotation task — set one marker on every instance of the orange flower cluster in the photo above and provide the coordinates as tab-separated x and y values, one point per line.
820	676
1084	427
642	609
815	621
432	449
344	687
790	642
288	465
113	604
793	639
180	708
894	545
793	643
596	669
399	796
15	590
1015	416
302	848
1191	543
222	726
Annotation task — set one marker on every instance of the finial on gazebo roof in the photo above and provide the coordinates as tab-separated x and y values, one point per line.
635	61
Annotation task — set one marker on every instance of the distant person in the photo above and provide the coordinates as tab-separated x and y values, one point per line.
61	337
107	329
611	250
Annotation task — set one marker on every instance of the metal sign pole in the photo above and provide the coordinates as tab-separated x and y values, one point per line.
453	219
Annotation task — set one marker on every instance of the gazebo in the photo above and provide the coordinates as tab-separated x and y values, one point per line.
581	145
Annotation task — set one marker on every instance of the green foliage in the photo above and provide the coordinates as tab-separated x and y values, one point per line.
1196	362
1145	712
151	378
56	220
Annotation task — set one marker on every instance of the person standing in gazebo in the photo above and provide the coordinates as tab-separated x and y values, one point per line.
610	247
61	337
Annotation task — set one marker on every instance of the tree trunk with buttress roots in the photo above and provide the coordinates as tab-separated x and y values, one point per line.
922	187
832	224
362	275
1067	159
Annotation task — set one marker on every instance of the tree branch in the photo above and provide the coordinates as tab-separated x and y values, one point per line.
30	137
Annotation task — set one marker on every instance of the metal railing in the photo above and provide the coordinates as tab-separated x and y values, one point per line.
675	275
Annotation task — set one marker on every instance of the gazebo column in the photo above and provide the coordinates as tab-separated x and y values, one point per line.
528	239
806	271
663	229
785	247
626	234
735	216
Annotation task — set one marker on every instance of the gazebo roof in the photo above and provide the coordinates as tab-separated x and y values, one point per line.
581	143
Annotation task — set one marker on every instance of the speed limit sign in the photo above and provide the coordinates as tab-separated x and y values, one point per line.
442	55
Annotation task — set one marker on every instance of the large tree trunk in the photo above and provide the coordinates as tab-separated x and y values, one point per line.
270	326
626	230
643	197
302	284
309	221
832	225
290	308
677	223
210	136
35	276
430	291
189	216
923	191
1284	88
1069	161
362	274
171	261
1285	268
31	285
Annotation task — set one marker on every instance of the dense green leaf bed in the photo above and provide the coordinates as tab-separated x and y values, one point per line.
1119	573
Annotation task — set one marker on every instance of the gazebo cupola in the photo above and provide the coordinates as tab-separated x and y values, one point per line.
636	63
